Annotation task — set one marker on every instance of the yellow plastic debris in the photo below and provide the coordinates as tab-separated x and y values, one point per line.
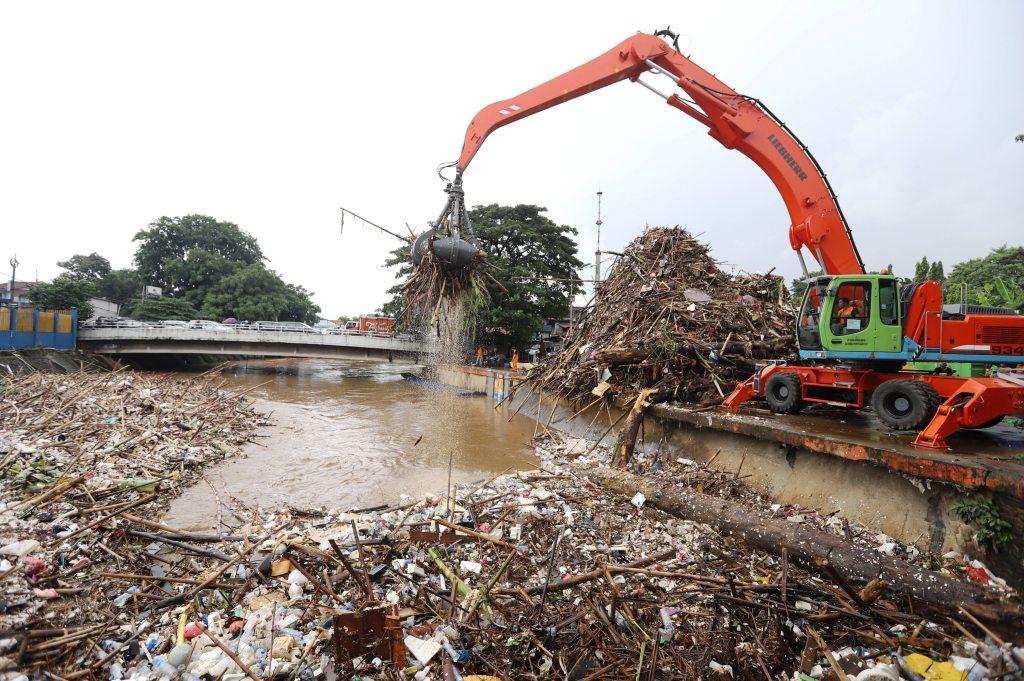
932	670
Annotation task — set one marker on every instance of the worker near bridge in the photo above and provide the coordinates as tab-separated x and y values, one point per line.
480	355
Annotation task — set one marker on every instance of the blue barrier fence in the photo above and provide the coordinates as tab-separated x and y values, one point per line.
29	327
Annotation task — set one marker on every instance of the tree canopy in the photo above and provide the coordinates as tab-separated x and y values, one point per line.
93	267
921	269
534	261
120	286
174	253
979	276
798	285
202	264
155	308
64	293
251	292
218	269
925	271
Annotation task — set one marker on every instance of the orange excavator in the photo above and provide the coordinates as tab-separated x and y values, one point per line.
855	330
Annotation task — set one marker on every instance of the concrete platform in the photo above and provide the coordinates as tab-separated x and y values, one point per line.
980	459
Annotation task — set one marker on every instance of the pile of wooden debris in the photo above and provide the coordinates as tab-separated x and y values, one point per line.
668	318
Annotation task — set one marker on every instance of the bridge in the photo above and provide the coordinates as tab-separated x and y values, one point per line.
139	339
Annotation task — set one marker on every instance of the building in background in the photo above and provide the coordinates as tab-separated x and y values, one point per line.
21	292
101	307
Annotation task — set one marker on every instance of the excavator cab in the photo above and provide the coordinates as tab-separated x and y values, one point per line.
855	317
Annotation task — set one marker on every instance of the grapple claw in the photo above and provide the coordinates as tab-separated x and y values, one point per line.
450	240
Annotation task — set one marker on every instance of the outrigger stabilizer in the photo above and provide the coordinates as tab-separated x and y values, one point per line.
450	240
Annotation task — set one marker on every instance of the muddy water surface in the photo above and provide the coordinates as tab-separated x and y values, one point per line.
354	435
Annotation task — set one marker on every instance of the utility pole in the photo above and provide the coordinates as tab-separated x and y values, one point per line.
597	252
14	271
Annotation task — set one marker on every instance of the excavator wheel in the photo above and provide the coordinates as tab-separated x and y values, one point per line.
902	404
784	394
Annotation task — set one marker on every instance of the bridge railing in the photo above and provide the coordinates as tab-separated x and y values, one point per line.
272	327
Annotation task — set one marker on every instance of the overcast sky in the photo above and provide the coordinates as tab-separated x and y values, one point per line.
272	115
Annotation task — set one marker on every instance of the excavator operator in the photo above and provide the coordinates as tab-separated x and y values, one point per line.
843	310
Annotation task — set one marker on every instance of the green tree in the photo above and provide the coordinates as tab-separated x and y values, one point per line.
64	293
921	269
299	306
534	260
173	251
159	307
93	267
799	284
120	286
978	276
395	306
218	269
998	294
255	293
935	272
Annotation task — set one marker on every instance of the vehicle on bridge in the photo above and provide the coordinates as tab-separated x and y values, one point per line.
292	327
106	321
208	325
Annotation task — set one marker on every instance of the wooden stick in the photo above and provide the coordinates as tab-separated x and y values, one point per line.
473	533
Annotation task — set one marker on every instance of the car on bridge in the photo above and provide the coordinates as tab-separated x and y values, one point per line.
208	325
108	322
293	327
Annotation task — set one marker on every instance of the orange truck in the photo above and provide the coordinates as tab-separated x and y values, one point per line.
378	326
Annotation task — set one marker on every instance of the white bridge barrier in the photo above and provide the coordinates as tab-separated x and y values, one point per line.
123	337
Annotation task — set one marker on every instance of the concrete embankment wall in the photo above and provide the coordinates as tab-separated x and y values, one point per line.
907	508
494	382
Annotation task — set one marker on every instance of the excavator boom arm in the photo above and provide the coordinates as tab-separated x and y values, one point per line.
736	121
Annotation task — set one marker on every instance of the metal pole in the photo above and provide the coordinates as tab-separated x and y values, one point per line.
597	252
14	270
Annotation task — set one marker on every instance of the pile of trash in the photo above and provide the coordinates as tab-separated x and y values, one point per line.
539	574
87	459
548	573
668	317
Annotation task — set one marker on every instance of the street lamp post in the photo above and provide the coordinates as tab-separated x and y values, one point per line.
597	252
14	270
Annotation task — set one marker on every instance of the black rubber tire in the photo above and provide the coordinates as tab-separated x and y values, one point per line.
988	424
902	404
784	394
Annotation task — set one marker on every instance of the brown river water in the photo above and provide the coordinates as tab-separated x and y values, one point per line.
353	435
